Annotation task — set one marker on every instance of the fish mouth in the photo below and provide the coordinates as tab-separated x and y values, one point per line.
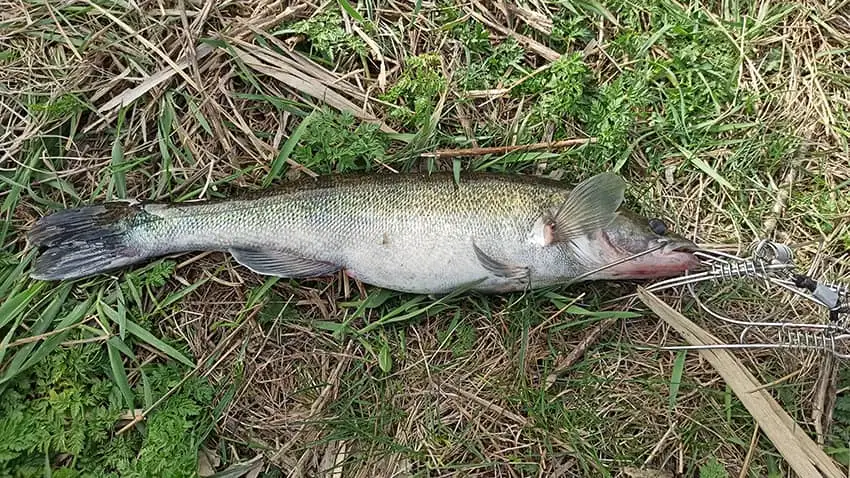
671	259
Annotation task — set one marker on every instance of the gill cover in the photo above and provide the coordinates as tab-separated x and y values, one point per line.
592	205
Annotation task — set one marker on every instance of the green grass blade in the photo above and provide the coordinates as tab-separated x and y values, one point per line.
18	303
121	347
286	150
217	412
653	39
385	360
708	169
411	309
119	375
8	207
523	348
676	378
134	290
15	275
146	389
705	167
4	344
63	186
198	114
158	344
351	11
238	470
41	324
177	296
118	316
121	315
335	327
73	317
119	179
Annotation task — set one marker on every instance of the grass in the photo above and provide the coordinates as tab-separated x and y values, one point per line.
727	118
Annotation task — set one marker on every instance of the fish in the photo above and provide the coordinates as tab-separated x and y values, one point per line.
420	233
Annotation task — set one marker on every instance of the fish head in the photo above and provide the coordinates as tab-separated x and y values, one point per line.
647	247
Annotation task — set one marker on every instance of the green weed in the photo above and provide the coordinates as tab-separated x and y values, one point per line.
713	469
338	143
59	107
570	31
416	91
65	411
494	69
564	92
327	37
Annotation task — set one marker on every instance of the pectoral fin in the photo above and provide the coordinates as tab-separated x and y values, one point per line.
281	264
592	205
501	269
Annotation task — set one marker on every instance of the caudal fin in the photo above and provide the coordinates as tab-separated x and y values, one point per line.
85	241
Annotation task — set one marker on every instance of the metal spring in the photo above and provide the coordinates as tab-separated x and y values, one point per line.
807	339
718	269
736	270
746	270
771	252
790	336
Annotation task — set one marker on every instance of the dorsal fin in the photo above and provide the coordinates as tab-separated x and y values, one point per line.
592	205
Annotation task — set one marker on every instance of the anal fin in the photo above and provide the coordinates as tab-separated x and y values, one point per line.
281	264
501	269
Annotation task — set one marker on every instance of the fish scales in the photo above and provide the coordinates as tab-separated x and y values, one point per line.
402	231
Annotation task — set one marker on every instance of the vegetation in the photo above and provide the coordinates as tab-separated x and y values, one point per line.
729	119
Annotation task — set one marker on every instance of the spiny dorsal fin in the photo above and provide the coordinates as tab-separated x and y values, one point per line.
592	205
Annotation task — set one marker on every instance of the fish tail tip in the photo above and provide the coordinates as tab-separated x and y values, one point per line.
85	241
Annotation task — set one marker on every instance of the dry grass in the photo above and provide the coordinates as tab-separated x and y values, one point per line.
188	99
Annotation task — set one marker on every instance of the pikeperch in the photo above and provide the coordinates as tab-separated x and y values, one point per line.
419	233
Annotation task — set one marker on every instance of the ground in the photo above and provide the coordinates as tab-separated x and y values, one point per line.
729	119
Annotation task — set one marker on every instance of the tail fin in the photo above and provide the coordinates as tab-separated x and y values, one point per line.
85	241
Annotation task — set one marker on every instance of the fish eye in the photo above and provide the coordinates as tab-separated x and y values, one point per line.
657	226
